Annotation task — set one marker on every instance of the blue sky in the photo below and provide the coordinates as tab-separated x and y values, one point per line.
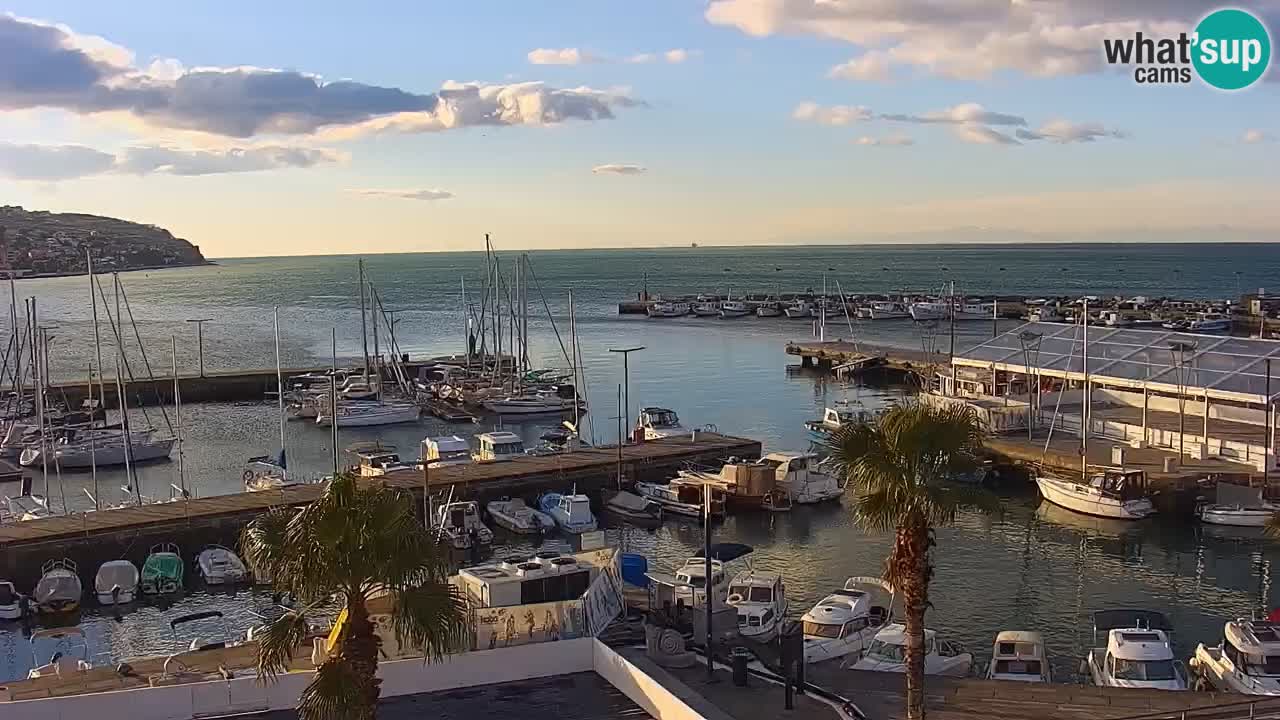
1008	126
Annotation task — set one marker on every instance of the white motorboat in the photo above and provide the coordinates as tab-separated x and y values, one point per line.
668	309
1237	506
692	579
839	416
884	310
18	508
761	600
734	309
934	310
571	512
845	622
531	404
263	473
706	309
660	423
1114	493
799	310
116	582
219	565
59	589
888	653
498	446
1138	652
682	498
1019	655
378	462
1210	322
513	515
1044	313
369	414
769	308
1247	661
66	651
802	476
10	601
446	450
459	524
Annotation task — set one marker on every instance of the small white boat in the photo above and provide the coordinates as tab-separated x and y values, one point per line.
498	446
1237	506
660	423
734	309
379	462
446	450
513	515
884	310
1247	661
58	651
264	473
668	309
218	565
839	416
801	475
10	601
769	309
571	512
682	498
1044	313
932	310
459	524
634	509
1018	655
888	653
1210	322
692	582
116	582
370	414
1114	493
845	622
1138	652
799	310
706	309
761	600
533	404
59	589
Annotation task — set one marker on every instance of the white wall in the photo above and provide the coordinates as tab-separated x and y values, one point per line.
655	698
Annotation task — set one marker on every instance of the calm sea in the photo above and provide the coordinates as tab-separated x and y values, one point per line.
1031	568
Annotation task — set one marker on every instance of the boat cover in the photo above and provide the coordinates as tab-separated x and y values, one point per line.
726	552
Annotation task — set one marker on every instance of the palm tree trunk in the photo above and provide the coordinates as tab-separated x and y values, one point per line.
360	651
911	571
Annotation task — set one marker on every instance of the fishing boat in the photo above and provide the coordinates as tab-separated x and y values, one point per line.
59	589
941	310
445	450
571	512
10	601
531	404
1247	660
370	414
799	310
219	565
846	621
1114	493
734	309
1138	651
685	499
459	524
162	571
768	309
668	309
1210	322
1237	506
888	653
116	582
69	654
706	309
515	516
761	600
498	446
660	423
884	310
634	509
1019	656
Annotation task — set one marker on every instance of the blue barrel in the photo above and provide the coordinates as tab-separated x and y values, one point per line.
633	569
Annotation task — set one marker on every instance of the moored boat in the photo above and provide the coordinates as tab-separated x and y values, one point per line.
634	509
1246	661
369	414
1237	506
844	622
888	653
459	524
515	516
1138	651
668	309
734	309
116	582
660	423
761	600
219	565
162	571
571	512
59	588
10	601
1019	655
769	308
683	498
1115	493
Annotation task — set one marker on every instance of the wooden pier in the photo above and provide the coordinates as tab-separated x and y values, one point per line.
91	538
856	356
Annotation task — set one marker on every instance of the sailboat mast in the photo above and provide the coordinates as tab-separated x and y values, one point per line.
127	438
93	445
275	317
573	344
1084	429
17	343
524	308
466	322
333	397
374	304
364	332
177	415
97	339
33	321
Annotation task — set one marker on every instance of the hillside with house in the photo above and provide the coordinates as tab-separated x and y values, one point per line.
38	242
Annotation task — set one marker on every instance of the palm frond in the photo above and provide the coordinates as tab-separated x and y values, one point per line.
335	693
1273	526
262	542
278	641
431	618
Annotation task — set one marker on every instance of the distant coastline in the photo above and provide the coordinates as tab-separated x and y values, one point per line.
6	274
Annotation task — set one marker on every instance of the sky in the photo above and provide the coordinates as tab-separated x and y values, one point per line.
292	128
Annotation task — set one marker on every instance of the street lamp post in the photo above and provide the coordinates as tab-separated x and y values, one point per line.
626	381
1030	342
1180	350
200	340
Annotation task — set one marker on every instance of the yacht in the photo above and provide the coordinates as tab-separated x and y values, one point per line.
10	601
163	570
1210	322
660	423
102	448
734	309
706	309
70	653
804	478
370	414
668	309
514	516
1018	655
634	509
379	462
844	622
445	450
888	653
1114	493
219	565
571	512
1238	506
799	310
59	588
116	582
769	308
1138	652
459	524
498	446
1247	661
761	600
677	498
935	310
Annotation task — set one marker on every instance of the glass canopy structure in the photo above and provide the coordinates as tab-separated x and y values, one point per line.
1213	366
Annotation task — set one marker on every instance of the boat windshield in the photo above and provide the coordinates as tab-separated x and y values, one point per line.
886	652
1018	667
512	448
455	455
694	580
1144	670
1262	665
822	630
664	418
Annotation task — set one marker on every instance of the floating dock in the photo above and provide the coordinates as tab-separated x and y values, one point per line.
856	357
91	538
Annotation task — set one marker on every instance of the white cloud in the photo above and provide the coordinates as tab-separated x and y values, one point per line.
832	115
619	169
419	194
969	38
67	162
1254	136
870	66
886	141
1064	131
561	56
674	56
677	56
982	135
960	114
51	162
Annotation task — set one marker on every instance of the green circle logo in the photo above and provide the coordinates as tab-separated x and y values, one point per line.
1232	49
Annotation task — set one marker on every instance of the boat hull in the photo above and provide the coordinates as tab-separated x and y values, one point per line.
121	598
1235	516
506	408
11	611
390	417
1074	497
105	456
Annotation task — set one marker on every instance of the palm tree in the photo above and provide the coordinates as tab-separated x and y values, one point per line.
898	468
356	540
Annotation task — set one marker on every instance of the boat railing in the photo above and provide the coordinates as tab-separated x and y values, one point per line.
167	547
1262	707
